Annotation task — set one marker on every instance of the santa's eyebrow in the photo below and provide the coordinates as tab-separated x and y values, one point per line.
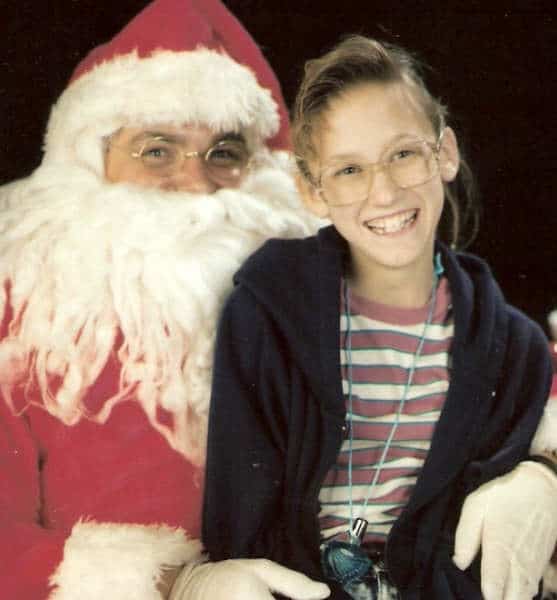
229	136
146	135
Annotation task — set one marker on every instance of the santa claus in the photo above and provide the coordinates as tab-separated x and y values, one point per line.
160	174
164	167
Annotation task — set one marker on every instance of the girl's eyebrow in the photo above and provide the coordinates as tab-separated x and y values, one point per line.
396	139
341	158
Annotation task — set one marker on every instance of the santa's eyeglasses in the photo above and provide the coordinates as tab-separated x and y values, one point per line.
226	162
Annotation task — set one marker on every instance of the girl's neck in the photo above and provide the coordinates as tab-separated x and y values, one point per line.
394	287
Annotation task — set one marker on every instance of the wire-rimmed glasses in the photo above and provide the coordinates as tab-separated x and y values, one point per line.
225	162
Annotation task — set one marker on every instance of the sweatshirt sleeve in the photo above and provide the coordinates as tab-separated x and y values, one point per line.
265	446
526	384
519	400
245	442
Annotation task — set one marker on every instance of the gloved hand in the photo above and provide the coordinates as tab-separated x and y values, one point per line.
514	520
244	579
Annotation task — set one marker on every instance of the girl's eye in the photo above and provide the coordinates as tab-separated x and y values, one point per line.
408	151
347	171
403	153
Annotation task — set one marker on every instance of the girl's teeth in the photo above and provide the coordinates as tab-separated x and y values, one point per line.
392	224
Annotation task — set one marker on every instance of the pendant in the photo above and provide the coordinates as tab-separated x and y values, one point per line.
344	562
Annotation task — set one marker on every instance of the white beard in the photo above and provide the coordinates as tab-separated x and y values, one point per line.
86	262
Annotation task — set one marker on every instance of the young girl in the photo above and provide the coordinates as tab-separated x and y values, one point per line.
369	378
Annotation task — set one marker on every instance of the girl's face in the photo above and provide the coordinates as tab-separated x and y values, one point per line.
387	227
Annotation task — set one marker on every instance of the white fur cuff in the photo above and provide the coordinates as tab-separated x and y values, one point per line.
550	581
109	560
545	440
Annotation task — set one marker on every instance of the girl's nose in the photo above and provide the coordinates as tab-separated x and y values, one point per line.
382	190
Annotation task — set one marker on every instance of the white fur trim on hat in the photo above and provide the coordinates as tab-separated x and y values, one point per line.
200	87
118	562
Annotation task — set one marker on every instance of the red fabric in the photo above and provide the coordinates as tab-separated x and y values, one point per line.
181	25
53	475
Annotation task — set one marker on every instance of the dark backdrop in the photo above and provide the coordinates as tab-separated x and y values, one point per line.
496	68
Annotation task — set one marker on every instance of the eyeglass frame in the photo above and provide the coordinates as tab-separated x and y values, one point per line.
186	154
383	164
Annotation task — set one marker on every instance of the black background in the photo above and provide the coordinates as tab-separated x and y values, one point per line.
494	65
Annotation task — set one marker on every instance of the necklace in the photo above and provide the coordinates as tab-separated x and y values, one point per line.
347	562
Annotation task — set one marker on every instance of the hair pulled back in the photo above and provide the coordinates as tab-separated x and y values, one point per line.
359	60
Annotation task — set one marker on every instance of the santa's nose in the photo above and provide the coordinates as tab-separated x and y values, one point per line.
192	177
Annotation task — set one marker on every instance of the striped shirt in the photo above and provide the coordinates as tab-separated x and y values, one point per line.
384	341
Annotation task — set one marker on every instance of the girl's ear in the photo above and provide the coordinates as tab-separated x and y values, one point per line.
449	156
311	197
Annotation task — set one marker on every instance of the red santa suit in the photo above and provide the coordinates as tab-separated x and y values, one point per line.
110	295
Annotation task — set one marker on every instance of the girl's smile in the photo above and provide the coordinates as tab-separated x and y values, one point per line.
374	132
392	225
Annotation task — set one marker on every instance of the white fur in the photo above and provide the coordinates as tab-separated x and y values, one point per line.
552	321
550	581
201	86
545	439
86	260
118	562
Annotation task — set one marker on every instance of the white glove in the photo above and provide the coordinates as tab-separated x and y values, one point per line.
514	519
244	579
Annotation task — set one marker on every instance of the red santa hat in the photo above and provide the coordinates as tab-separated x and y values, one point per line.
177	61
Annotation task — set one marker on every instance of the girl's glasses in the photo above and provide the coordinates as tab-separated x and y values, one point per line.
408	163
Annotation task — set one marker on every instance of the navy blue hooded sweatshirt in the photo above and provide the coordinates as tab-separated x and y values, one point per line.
277	416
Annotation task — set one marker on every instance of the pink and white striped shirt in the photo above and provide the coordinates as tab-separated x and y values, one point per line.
384	341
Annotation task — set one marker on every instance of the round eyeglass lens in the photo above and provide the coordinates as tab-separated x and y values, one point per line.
160	155
227	160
